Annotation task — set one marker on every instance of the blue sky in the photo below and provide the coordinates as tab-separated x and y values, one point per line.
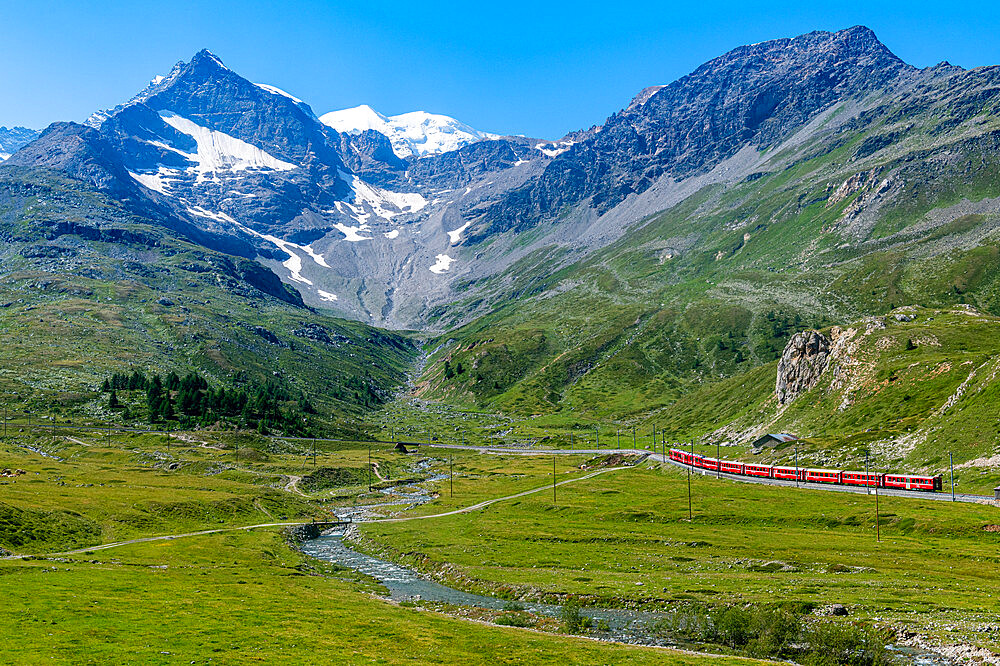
534	68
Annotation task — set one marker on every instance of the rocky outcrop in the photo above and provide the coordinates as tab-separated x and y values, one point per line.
801	365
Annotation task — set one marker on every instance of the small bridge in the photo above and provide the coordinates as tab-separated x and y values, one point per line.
316	528
322	526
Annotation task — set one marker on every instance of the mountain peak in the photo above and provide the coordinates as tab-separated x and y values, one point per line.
206	57
417	133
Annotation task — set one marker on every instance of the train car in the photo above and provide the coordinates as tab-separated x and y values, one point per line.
750	469
824	475
791	473
675	455
911	482
870	479
710	463
731	467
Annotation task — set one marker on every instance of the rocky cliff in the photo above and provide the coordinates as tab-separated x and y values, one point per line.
801	364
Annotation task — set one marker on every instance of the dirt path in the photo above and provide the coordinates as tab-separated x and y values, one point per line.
293	485
166	537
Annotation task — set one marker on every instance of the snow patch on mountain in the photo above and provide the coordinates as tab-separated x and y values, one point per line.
217	151
158	182
318	258
4	156
274	90
367	201
326	296
442	264
353	234
416	133
456	235
391	234
555	148
198	211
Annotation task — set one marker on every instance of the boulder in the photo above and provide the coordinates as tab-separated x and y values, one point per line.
801	364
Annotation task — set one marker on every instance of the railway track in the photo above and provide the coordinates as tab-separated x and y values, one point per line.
943	496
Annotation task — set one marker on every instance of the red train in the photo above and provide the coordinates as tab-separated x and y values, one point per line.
837	476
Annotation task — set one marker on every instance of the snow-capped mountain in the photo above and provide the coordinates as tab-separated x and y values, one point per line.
248	169
13	138
411	134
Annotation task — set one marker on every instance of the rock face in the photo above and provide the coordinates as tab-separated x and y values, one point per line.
753	95
801	365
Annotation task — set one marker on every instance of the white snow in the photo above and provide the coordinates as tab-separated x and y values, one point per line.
456	235
217	151
318	258
218	217
157	80
442	264
216	59
294	262
326	296
391	234
155	181
274	90
416	133
554	149
353	234
367	201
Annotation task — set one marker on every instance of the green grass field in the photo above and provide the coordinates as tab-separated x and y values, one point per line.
230	597
624	538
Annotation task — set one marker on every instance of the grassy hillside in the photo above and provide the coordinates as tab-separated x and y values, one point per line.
893	207
907	392
87	290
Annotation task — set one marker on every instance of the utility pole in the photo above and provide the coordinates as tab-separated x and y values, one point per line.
718	459
797	463
634	444
314	451
878	533
951	462
369	468
618	435
690	517
597	436
451	474
5	421
571	444
553	478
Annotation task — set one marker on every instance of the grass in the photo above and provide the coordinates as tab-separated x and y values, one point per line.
247	598
623	538
234	597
